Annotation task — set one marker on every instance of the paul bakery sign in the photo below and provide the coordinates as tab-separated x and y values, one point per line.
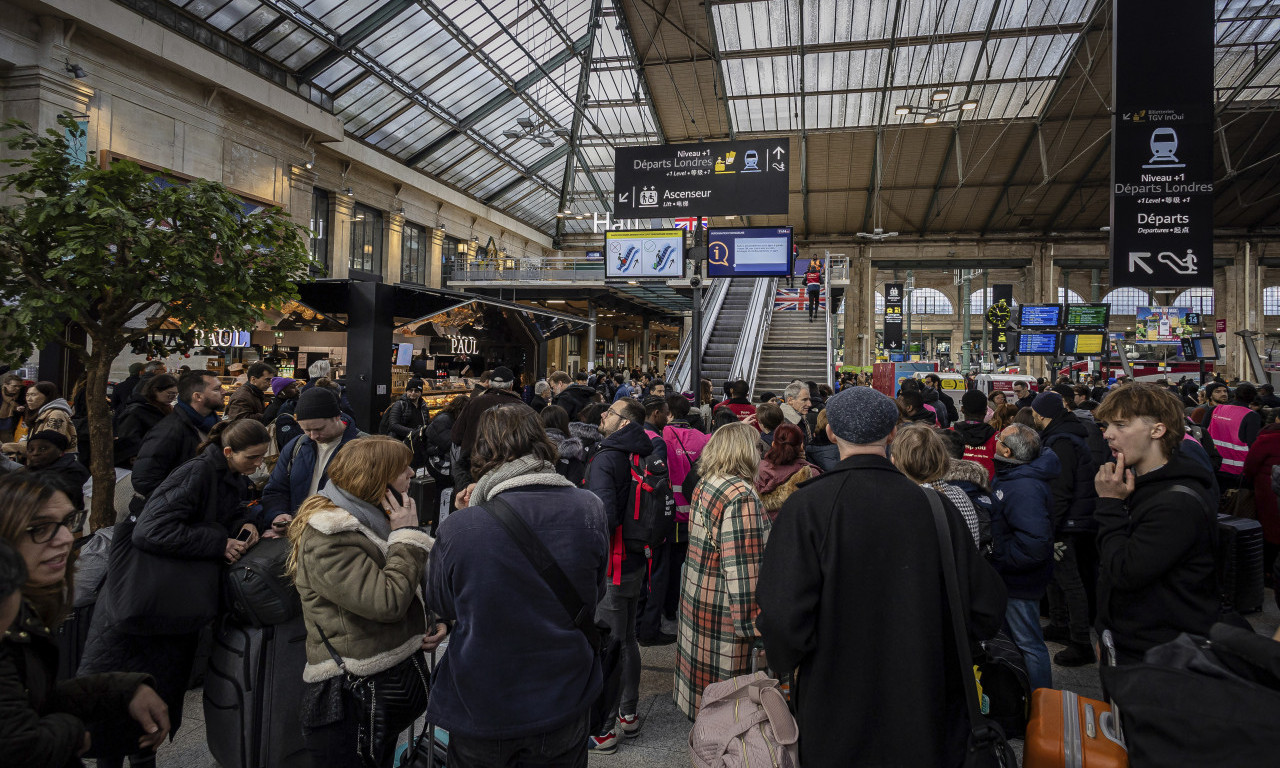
463	345
222	338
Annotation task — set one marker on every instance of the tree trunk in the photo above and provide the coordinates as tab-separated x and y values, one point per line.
101	436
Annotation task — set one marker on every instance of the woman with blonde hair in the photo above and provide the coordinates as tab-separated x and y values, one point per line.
358	559
920	453
727	533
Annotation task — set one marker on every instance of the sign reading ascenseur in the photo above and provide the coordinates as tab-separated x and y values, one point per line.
719	178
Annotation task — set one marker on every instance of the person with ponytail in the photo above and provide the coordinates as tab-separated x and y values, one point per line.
163	584
45	721
358	560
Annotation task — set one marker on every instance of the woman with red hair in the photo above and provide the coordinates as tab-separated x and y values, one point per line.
783	468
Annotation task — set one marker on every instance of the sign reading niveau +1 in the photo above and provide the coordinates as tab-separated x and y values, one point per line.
1162	148
719	178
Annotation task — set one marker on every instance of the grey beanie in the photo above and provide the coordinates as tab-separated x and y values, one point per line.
861	415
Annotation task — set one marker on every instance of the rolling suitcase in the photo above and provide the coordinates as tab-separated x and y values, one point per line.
422	489
1239	559
1070	731
252	693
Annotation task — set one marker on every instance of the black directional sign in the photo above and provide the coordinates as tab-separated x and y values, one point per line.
1162	149
719	178
893	317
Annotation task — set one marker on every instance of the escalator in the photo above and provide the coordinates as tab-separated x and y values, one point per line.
728	331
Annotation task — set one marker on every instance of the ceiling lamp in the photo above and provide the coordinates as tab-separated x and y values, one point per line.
902	110
539	133
968	105
931	118
933	112
877	234
942	94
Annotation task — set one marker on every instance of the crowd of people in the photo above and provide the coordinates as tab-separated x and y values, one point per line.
801	537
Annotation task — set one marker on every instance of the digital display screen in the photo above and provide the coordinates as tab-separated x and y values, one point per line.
749	252
1040	315
1083	344
1200	347
1088	315
1037	343
647	253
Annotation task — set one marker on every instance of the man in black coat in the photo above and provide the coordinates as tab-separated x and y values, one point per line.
1156	514
568	395
409	412
463	434
175	439
851	593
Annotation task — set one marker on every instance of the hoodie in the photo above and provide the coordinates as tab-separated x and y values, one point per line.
587	434
1021	525
55	415
609	477
574	398
1156	575
979	444
1073	492
972	478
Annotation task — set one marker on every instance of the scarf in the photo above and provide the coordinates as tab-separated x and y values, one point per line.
202	423
526	470
371	517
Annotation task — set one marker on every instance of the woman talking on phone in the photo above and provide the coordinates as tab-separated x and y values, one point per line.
358	558
163	584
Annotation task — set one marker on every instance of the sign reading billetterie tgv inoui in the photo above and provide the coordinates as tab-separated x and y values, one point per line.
719	178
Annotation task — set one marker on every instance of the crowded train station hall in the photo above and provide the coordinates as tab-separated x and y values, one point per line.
653	383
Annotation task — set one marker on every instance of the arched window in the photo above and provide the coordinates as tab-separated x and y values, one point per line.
1066	296
879	303
1125	301
930	301
1197	300
1271	300
978	302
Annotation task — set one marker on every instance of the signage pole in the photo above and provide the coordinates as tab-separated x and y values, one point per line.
695	344
966	319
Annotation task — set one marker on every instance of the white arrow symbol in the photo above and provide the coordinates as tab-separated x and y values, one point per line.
1137	258
622	196
778	152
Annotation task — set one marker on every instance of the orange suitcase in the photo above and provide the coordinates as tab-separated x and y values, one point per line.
1070	731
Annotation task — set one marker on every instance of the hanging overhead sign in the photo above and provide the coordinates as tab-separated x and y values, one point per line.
718	178
893	317
1162	144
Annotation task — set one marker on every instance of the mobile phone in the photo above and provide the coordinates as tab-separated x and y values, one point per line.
244	535
396	495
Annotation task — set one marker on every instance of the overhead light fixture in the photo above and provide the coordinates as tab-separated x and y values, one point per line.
526	123
877	234
512	133
632	282
534	131
75	70
349	192
942	94
931	118
544	141
933	112
902	110
968	105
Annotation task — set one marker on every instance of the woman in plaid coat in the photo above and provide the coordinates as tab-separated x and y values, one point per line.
727	533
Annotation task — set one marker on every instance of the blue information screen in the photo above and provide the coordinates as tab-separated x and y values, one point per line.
1037	343
1040	316
749	252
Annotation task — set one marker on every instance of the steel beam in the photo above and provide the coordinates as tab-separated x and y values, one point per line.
575	129
354	37
1102	152
884	115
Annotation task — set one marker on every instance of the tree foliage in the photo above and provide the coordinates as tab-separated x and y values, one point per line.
118	253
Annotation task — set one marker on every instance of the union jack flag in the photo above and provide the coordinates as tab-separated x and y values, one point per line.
689	222
795	300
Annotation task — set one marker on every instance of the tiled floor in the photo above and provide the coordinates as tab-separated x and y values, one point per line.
662	742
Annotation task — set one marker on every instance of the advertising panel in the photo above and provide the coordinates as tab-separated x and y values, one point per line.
648	253
718	178
1162	325
1162	144
749	252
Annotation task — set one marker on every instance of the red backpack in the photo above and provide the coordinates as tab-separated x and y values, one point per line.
984	454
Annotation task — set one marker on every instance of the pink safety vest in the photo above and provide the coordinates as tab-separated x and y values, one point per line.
1224	429
684	446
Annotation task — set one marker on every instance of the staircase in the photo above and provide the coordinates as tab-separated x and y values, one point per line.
718	356
794	349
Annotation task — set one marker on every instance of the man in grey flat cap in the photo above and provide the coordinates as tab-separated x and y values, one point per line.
851	595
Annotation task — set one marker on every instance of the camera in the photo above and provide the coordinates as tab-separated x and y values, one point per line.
695	281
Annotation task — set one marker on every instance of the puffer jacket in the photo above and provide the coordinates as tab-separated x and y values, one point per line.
1074	496
572	464
589	434
574	398
43	722
782	482
247	402
137	419
168	444
362	591
1022	526
55	415
405	416
609	477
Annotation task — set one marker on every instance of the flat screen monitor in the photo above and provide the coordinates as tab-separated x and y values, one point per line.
1088	315
1084	344
1202	347
1040	315
654	253
1037	343
749	252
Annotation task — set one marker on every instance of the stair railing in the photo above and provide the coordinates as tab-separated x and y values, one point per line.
755	328
712	300
827	316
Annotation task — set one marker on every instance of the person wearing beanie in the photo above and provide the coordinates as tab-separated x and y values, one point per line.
303	466
979	436
46	454
407	414
852	546
284	399
249	401
1074	499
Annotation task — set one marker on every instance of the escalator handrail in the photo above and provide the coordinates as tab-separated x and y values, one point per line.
755	327
711	303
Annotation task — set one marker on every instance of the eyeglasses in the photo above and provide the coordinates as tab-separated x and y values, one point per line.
41	533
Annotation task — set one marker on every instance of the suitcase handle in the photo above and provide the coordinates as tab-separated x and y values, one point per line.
1111	729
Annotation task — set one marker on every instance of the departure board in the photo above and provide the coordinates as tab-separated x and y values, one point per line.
1088	315
1040	315
1083	344
1037	343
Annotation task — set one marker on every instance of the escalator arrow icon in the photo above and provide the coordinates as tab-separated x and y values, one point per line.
1136	257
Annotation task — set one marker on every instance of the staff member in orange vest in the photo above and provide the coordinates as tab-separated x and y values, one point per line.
1233	426
979	436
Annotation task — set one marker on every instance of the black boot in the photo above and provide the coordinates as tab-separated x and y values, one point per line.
1075	655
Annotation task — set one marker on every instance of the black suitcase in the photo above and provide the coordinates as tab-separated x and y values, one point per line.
257	590
252	693
423	491
1239	558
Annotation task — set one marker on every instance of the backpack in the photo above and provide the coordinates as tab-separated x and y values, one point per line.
258	591
984	506
651	509
744	721
384	424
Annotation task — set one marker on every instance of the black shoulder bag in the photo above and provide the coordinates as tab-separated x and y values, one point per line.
986	746
607	648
